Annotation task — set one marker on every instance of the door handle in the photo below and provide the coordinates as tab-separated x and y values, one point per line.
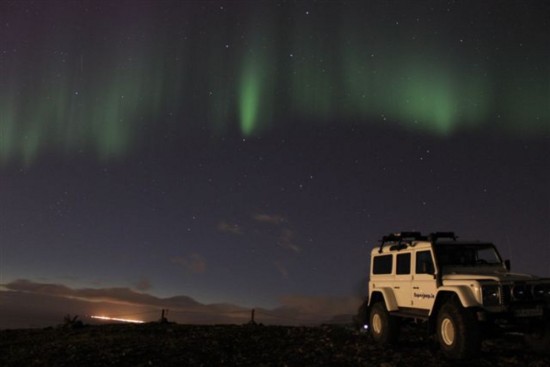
416	287
396	288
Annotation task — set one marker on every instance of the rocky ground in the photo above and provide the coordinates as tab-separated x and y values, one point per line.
233	345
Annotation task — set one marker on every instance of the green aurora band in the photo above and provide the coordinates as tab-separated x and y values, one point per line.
249	99
106	97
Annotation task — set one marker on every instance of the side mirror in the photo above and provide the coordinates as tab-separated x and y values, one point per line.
507	265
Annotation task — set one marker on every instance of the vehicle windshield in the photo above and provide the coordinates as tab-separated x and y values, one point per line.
467	255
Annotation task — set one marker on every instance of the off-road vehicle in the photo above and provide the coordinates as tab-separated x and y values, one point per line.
463	290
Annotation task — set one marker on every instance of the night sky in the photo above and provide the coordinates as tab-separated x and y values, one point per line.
253	152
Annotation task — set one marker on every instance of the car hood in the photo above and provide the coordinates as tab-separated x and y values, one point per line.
481	274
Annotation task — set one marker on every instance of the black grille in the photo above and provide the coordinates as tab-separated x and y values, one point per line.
506	294
522	292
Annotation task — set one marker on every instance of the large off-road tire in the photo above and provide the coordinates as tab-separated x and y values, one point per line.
539	340
458	331
383	327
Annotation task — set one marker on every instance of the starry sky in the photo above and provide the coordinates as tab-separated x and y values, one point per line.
253	152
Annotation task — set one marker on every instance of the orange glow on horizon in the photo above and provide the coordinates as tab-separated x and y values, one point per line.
117	319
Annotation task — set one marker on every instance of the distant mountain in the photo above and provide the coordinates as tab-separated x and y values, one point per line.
24	303
181	301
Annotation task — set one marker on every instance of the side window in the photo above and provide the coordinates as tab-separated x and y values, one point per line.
424	263
403	264
382	264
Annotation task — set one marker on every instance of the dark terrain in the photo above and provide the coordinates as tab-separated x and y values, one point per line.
232	345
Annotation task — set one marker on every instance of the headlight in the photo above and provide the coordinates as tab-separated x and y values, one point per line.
491	295
539	291
521	292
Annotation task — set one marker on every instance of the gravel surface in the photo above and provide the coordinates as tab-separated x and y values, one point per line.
233	345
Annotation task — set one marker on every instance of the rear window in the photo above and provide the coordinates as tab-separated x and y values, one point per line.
382	264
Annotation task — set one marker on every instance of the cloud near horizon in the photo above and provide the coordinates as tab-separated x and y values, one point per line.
143	285
114	295
28	300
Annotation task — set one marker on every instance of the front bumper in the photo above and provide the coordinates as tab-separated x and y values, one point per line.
524	318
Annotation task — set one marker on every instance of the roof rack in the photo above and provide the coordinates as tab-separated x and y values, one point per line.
406	238
401	237
434	236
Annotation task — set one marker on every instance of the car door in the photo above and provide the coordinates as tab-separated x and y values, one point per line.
424	284
403	277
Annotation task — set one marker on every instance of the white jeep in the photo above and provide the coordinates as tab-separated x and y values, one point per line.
461	289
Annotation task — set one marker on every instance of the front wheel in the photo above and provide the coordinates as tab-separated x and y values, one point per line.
539	340
384	328
458	331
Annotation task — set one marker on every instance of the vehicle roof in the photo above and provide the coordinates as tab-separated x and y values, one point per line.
422	245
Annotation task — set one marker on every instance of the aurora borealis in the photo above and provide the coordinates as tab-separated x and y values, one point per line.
71	84
253	152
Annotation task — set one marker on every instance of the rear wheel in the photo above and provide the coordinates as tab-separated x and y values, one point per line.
384	328
458	331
